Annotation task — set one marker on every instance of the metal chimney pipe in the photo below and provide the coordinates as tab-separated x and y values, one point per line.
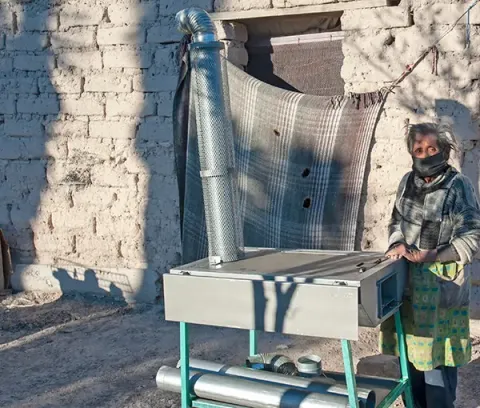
247	393
215	137
321	385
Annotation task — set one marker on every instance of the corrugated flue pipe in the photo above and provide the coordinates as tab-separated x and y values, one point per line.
215	137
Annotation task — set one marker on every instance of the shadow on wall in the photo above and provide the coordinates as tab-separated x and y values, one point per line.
24	74
72	282
262	68
363	200
466	129
466	160
418	95
30	109
154	144
444	84
29	104
274	65
306	192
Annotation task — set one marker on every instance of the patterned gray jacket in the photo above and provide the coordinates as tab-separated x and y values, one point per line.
443	214
433	215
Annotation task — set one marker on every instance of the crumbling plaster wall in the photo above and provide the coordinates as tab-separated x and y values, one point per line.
86	158
379	44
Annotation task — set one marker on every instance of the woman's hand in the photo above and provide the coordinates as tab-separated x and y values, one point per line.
416	256
397	252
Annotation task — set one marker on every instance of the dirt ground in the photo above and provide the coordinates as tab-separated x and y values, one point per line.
86	352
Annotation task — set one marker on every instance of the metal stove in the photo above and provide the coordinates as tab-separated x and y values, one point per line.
311	293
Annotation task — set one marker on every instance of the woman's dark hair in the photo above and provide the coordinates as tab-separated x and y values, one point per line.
442	131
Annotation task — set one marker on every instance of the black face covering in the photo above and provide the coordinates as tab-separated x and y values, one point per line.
430	166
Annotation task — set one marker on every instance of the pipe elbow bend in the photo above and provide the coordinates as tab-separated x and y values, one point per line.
194	20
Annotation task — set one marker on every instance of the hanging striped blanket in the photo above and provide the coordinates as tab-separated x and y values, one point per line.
300	163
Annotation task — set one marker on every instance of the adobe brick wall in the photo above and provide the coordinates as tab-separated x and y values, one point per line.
379	44
86	156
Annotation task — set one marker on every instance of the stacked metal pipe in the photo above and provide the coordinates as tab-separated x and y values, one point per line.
248	393
255	388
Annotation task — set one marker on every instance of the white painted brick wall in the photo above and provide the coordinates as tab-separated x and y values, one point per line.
127	59
124	14
236	53
80	14
135	104
7	105
156	129
231	31
107	82
27	42
7	20
20	85
86	92
73	38
132	35
97	150
445	14
376	52
384	17
84	60
164	103
59	82
6	64
85	105
155	82
165	58
33	63
40	21
163	33
41	105
70	129
23	128
125	129
238	5
107	176
56	148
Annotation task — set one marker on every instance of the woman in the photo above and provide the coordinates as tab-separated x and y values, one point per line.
435	226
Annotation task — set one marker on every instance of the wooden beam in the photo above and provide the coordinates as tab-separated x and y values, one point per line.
299	39
296	11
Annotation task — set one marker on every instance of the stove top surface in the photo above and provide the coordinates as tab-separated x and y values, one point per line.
300	266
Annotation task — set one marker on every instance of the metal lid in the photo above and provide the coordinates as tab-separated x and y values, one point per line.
309	364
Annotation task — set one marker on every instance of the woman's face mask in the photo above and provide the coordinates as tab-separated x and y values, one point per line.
428	160
430	166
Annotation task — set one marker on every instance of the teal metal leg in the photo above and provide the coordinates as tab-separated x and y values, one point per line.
185	366
402	348
253	342
350	374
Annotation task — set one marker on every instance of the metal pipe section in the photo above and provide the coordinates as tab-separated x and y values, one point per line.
322	385
379	385
215	137
273	362
247	393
